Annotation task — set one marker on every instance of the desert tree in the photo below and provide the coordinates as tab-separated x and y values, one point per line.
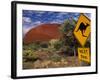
68	38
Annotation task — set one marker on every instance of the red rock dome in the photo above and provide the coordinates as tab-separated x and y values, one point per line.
43	32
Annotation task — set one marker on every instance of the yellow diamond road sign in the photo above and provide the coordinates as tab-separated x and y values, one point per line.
82	29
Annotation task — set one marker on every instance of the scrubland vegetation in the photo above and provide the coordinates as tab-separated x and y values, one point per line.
54	53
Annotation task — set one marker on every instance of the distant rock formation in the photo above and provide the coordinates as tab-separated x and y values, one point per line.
44	32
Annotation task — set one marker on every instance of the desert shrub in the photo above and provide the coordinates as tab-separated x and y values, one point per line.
44	45
55	58
29	55
55	43
33	46
27	52
42	56
58	45
51	50
30	59
26	47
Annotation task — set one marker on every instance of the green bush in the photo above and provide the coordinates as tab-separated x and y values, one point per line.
57	44
55	58
29	55
44	45
33	46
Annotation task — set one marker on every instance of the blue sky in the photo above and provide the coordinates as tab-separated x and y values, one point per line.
33	18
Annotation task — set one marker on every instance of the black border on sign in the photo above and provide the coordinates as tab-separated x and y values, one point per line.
14	39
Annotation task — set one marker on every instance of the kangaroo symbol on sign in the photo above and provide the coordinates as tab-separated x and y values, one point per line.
82	28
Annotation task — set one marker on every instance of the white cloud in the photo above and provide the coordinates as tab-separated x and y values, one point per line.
36	23
26	28
57	21
59	15
27	19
